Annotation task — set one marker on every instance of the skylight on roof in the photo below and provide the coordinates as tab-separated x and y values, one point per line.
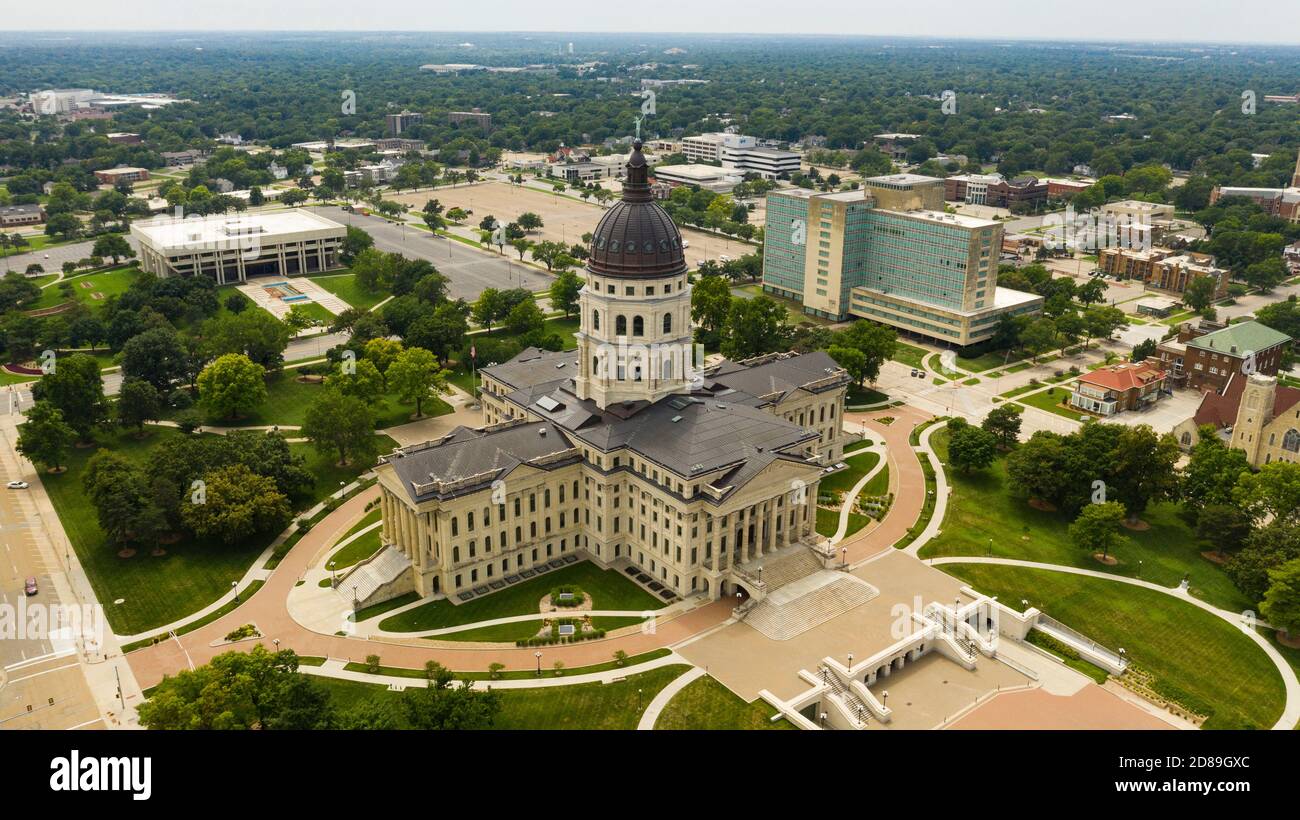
547	403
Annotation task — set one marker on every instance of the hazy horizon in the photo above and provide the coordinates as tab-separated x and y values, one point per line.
1245	22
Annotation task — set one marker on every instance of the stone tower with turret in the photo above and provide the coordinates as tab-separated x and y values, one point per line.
1254	414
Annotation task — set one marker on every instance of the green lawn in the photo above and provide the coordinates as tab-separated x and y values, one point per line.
513	674
584	706
707	704
153	591
566	328
345	286
979	364
843	481
609	589
910	355
828	521
511	632
1051	401
981	508
192	574
1218	667
107	283
359	550
863	395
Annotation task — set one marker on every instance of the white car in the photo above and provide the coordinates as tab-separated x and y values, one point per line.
722	257
17	485
685	244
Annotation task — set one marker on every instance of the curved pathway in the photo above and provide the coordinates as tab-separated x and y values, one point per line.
651	714
268	609
906	480
851	496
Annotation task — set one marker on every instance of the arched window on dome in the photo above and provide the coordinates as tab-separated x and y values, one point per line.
1291	441
620	326
595	320
638	326
668	323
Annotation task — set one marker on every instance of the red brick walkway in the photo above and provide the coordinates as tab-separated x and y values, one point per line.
906	480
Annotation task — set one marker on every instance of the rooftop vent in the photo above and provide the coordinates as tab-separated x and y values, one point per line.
676	419
542	432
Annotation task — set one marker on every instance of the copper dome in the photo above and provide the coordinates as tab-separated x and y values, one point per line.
636	237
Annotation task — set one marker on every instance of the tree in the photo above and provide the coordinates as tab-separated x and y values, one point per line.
1097	528
44	438
710	302
257	689
114	246
524	318
363	381
232	386
1199	293
1141	468
354	243
1100	321
1272	493
341	424
1265	274
853	361
414	374
1003	422
138	402
754	327
1223	527
970	447
1143	349
1039	468
441	332
875	342
382	352
1039	337
156	356
1212	472
564	292
1265	549
76	388
529	221
120	495
547	251
238	504
1281	604
65	226
488	308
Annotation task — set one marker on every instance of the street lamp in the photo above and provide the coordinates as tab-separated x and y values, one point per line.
850	663
234	585
538	655
276	641
333	583
844	556
823	719
884	697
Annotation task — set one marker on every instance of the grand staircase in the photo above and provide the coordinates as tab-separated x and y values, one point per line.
809	602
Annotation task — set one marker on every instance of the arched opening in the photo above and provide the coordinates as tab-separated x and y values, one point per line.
668	323
595	320
1291	441
638	326
620	326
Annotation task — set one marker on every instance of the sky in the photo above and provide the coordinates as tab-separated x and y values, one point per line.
1235	21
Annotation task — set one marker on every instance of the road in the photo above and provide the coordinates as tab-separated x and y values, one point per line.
43	682
469	270
52	259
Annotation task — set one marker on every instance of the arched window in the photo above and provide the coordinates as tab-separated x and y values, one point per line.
1291	441
668	323
595	320
620	326
1186	439
455	555
595	367
638	326
668	368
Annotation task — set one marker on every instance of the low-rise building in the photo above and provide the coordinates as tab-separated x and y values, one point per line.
709	177
12	216
187	157
123	138
995	190
112	176
234	248
1162	269
895	145
1204	356
1253	414
397	123
480	118
1158	306
1114	389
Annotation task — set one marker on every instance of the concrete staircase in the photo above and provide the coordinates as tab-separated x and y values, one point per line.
377	579
807	603
787	566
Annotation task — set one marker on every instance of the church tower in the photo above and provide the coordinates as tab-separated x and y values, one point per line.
634	338
1295	178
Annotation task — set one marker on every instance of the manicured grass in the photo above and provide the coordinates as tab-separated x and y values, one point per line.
330	477
985	361
584	706
1185	647
359	550
192	574
706	704
385	606
345	286
219	612
609	589
154	591
863	395
843	481
828	521
317	312
516	674
465	380
110	282
910	355
981	508
1052	400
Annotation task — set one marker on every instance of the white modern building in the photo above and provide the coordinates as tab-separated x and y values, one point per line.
233	248
709	177
740	153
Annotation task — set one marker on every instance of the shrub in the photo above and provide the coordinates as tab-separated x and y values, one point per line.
372	664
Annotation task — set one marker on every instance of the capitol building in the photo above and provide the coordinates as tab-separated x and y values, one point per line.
625	452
